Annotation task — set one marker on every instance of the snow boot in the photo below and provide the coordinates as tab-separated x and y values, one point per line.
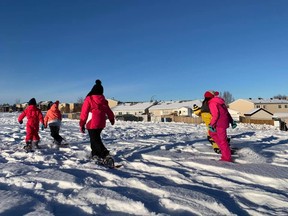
28	146
35	143
108	161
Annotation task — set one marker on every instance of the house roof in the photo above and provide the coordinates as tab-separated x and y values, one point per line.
280	115
233	111
253	111
268	101
161	105
133	106
176	104
45	102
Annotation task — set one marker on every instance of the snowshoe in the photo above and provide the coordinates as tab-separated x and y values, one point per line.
35	144
234	151
108	161
217	150
28	148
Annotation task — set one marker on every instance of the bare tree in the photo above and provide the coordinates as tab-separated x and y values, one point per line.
17	101
80	100
284	97
227	96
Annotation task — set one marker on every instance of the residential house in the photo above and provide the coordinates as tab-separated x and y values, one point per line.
139	109
281	120
75	107
44	105
64	107
234	114
112	103
5	108
259	114
272	105
163	109
21	107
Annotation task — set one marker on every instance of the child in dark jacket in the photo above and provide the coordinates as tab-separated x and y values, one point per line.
34	117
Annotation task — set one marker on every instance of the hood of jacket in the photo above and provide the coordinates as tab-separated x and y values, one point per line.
219	112
54	107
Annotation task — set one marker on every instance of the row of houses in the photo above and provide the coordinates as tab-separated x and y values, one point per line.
44	106
156	111
268	111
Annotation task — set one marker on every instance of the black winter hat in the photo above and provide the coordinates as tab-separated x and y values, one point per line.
195	107
97	88
32	102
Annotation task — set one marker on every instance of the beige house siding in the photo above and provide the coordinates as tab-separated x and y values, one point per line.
261	115
132	112
242	106
271	105
75	107
273	108
64	107
185	111
112	103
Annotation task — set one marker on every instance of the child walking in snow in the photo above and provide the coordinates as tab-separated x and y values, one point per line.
53	118
206	116
93	115
34	117
220	121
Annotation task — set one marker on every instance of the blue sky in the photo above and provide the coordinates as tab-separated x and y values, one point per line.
160	49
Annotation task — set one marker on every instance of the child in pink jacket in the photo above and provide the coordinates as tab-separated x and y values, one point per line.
34	117
93	115
220	121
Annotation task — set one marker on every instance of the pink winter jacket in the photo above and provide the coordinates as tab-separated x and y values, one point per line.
34	116
220	115
98	108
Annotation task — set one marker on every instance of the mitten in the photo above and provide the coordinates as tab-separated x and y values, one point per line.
42	127
234	124
82	129
112	121
212	129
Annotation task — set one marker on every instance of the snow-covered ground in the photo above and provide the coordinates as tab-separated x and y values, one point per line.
168	169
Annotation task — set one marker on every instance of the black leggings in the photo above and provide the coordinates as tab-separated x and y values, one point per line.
55	133
97	145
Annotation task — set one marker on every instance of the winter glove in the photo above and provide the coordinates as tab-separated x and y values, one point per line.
21	122
112	121
42	127
212	129
234	124
82	129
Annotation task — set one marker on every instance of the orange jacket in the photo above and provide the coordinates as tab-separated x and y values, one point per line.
53	115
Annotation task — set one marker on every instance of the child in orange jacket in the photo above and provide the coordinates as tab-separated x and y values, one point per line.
34	117
53	118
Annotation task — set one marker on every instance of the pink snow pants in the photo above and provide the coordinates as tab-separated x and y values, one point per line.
220	137
32	133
